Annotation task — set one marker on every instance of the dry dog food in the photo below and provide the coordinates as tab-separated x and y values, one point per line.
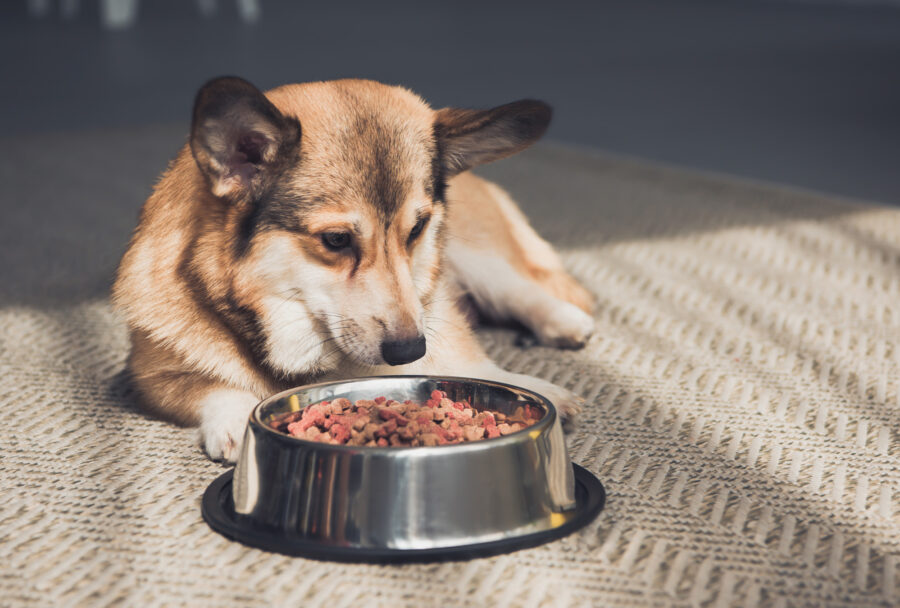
385	422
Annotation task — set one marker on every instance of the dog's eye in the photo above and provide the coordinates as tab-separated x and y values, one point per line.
336	240
417	229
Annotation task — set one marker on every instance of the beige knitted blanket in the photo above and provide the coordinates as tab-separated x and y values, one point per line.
742	386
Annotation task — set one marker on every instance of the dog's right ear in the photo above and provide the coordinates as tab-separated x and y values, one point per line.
239	139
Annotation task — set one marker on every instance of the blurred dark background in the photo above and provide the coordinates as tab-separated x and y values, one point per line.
802	93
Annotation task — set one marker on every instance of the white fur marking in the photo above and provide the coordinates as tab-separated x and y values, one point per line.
223	419
293	343
502	293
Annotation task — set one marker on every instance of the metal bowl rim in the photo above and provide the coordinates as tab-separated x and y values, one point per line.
542	425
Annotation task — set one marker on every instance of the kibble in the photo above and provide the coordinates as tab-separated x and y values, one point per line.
385	422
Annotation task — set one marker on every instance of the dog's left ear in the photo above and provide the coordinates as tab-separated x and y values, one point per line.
473	137
239	138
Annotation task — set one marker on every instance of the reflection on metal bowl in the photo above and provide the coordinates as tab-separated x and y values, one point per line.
350	502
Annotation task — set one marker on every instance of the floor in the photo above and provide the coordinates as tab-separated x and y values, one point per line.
799	93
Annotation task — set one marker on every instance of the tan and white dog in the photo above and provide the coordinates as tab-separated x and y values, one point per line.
331	230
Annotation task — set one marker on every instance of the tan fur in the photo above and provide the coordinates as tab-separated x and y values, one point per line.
180	347
485	217
183	288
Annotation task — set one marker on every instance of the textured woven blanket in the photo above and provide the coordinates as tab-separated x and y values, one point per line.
742	392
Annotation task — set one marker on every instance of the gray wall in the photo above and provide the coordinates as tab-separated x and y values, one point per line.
803	93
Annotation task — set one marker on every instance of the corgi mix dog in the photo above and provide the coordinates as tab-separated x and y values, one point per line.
331	230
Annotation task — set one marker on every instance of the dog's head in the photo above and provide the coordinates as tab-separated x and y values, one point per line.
336	194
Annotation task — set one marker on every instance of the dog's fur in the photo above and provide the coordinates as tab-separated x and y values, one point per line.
235	286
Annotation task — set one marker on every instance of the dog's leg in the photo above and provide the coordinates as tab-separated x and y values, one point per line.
501	293
171	389
221	411
510	271
223	420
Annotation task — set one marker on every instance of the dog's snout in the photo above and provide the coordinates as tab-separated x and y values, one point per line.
398	352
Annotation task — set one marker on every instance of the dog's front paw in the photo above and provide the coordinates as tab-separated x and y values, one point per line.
568	404
224	416
564	326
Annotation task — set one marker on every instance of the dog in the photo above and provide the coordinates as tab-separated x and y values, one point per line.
330	230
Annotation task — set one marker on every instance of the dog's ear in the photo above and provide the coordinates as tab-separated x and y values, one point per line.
239	139
472	137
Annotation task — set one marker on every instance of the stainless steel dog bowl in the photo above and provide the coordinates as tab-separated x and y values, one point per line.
356	503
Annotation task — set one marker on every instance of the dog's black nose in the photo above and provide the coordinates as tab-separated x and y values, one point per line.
403	351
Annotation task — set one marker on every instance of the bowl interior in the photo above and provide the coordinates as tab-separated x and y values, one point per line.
481	394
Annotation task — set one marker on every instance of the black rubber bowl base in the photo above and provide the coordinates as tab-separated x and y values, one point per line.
218	511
